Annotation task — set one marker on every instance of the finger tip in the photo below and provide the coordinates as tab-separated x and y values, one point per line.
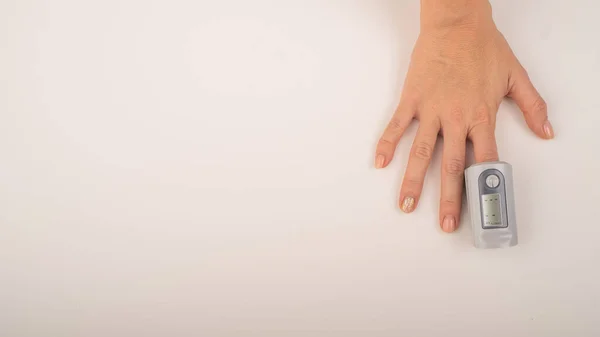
408	205
449	224
380	162
548	130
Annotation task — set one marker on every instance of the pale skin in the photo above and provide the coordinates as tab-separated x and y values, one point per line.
461	70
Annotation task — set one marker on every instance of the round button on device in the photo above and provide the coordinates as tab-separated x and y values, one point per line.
492	181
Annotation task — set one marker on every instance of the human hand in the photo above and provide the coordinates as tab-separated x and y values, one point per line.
461	69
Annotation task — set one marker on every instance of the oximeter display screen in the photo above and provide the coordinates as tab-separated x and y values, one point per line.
492	209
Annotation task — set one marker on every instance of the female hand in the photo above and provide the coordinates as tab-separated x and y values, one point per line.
461	69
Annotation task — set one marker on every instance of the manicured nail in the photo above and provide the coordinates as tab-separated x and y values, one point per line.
408	205
380	161
449	224
548	130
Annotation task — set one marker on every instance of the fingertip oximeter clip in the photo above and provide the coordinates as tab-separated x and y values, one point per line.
490	196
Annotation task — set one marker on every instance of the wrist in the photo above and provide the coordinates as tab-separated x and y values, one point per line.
460	14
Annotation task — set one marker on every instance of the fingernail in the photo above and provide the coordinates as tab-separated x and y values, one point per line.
548	130
380	161
408	205
449	224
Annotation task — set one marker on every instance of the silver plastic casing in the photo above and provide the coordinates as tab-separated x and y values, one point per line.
490	196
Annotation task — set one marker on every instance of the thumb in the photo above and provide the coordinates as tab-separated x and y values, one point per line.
534	108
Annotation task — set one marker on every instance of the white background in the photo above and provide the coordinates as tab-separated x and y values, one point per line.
204	168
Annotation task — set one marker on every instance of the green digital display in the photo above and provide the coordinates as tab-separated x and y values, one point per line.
492	209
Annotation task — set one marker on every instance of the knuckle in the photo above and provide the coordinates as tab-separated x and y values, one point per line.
413	182
483	116
457	115
522	69
538	106
423	151
396	125
454	168
450	203
383	142
410	98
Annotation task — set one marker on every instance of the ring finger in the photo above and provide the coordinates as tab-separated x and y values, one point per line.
418	162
